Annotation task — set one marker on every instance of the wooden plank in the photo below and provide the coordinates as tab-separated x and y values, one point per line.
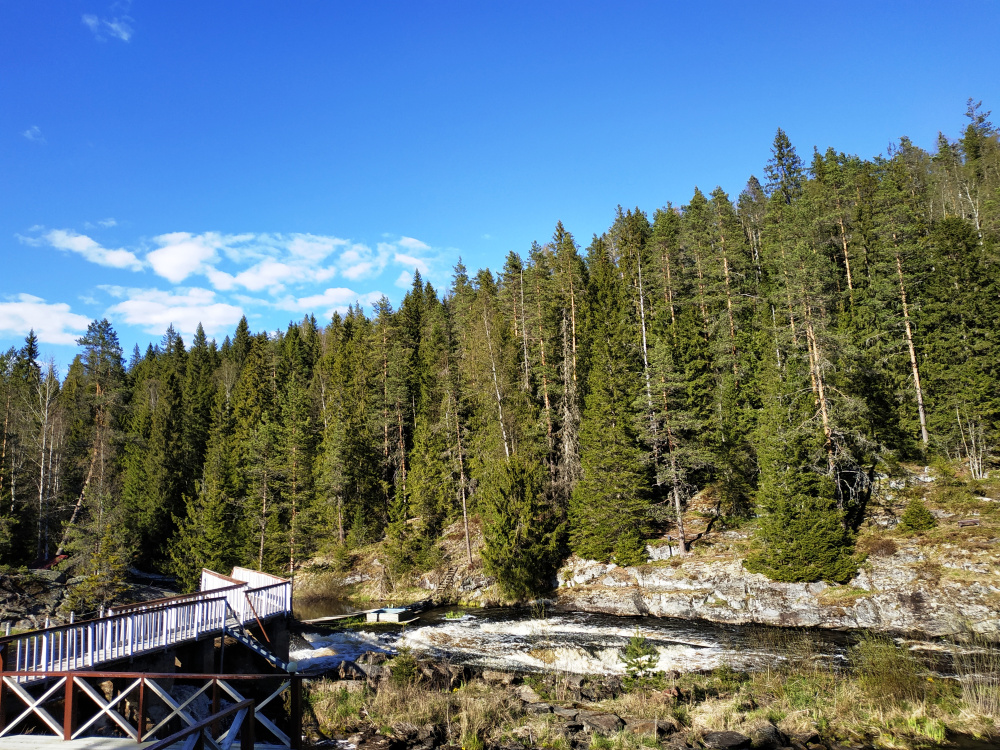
30	741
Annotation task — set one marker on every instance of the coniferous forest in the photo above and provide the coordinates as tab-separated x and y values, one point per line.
779	348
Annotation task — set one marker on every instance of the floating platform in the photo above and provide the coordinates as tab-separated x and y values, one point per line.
392	614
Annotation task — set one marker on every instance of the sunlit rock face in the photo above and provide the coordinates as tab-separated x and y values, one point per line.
890	594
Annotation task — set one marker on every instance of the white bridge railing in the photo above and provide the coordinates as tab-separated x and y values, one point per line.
148	626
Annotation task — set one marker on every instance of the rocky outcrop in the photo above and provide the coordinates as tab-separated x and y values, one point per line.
900	593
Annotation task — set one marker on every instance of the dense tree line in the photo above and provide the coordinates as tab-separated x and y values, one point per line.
774	349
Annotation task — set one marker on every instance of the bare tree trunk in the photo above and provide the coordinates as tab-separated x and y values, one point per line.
3	450
913	353
550	439
668	291
729	298
847	256
496	386
263	524
645	353
524	337
291	525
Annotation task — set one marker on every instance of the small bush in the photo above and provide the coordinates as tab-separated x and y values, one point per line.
878	546
640	657
916	517
403	668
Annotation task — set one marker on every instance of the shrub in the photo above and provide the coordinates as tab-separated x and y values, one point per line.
403	668
916	517
640	657
878	546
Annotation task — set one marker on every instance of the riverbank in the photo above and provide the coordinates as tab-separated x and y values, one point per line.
941	581
885	700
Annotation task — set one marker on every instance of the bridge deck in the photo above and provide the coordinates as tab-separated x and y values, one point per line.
39	742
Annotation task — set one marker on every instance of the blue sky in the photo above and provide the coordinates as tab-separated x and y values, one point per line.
183	161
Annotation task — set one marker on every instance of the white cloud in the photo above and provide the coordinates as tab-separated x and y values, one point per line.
182	254
90	249
118	27
277	259
411	244
404	280
413	263
107	223
154	310
53	323
330	301
34	134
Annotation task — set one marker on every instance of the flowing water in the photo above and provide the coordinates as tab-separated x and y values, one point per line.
576	642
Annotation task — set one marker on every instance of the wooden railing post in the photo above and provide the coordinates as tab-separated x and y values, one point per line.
68	710
295	723
247	739
3	685
140	720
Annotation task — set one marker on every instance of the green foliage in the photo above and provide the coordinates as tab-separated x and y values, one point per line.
640	657
522	539
916	517
630	550
403	668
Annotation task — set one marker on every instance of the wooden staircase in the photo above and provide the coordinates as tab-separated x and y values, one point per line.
235	629
448	579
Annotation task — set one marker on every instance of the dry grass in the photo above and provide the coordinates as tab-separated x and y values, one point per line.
842	596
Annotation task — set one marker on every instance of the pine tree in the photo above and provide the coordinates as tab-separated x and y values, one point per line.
611	499
801	534
522	538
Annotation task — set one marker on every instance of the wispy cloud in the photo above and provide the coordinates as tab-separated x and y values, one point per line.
34	134
153	310
214	278
65	239
53	323
116	27
330	301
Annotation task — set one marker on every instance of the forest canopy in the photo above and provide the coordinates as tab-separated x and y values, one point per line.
777	348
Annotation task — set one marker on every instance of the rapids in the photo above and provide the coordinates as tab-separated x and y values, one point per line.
575	642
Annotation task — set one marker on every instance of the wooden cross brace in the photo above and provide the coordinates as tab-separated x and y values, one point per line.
107	707
177	709
281	736
34	705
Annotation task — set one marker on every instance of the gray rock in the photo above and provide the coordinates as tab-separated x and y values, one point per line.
527	694
649	727
726	741
767	737
893	597
496	677
537	708
566	712
52	576
601	723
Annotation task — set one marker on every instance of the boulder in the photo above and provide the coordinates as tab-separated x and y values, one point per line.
767	737
567	712
601	723
726	741
527	694
496	677
650	727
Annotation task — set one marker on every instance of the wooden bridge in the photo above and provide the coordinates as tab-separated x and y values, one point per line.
56	668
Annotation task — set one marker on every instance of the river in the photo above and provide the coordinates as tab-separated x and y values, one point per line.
526	640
